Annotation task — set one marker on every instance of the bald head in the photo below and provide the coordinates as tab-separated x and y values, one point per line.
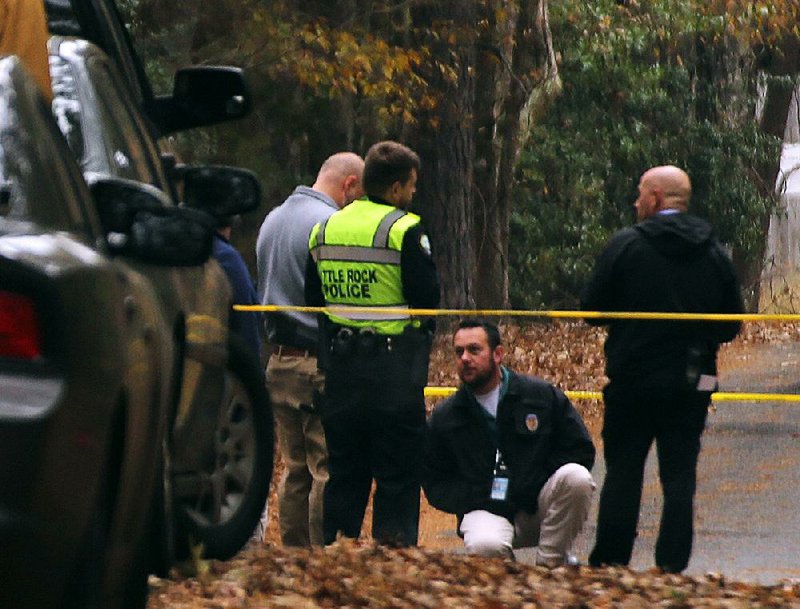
340	177
663	187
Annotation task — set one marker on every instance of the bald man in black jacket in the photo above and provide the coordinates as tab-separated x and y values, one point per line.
661	373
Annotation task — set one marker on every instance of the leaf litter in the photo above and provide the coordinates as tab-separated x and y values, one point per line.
360	573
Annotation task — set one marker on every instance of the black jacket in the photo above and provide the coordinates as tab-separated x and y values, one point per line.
670	263
538	431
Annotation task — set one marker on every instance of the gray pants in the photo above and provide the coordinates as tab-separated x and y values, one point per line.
563	505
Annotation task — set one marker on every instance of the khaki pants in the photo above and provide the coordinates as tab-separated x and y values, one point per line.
293	382
563	506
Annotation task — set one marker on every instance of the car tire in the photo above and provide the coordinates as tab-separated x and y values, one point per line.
224	516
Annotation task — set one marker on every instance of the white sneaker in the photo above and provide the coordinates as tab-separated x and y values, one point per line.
570	560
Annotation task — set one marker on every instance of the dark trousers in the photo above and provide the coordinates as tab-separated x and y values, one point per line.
374	421
633	419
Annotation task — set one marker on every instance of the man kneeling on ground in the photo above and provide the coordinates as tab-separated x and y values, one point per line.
509	455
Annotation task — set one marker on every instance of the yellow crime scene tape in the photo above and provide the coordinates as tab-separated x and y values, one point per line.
521	313
719	396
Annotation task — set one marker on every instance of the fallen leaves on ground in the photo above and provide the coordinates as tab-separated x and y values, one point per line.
362	574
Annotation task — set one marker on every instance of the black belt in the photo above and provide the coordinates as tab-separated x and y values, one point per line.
364	341
285	332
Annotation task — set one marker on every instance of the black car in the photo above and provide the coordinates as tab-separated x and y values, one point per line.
87	367
222	440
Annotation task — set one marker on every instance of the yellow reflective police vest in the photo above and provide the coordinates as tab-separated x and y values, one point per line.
357	253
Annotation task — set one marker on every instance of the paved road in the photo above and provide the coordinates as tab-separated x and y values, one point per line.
748	500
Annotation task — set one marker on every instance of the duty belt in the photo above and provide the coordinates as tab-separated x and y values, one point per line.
365	341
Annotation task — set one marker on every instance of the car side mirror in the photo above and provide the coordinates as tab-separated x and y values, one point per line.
202	96
139	222
174	236
219	190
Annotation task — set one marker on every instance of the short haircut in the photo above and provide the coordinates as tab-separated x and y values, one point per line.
492	333
388	162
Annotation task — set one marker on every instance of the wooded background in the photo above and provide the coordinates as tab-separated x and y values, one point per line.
534	121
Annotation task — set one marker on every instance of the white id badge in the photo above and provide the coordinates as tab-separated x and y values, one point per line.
499	488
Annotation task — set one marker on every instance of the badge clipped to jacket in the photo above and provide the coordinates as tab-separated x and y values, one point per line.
499	479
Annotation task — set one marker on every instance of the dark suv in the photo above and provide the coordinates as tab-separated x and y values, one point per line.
87	363
222	437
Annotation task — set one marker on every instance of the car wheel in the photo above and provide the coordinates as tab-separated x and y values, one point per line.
224	514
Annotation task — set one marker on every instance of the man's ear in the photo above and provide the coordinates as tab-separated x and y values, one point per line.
391	193
499	353
658	194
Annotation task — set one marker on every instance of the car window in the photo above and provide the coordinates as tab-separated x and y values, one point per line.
100	123
66	107
100	22
133	153
38	183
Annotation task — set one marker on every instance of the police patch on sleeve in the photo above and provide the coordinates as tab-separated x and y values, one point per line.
425	244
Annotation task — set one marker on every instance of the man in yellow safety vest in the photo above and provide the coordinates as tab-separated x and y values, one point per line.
374	254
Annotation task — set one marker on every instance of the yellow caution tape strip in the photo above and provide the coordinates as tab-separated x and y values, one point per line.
579	395
719	396
515	313
754	397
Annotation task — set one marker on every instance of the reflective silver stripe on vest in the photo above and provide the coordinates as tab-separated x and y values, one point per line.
381	238
320	241
361	315
321	232
353	253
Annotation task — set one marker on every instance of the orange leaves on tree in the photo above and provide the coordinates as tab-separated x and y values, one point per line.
333	62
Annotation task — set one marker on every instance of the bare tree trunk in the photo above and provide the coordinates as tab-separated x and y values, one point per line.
526	87
447	152
492	70
445	188
782	66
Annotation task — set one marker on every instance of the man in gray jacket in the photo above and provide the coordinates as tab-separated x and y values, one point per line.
293	379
